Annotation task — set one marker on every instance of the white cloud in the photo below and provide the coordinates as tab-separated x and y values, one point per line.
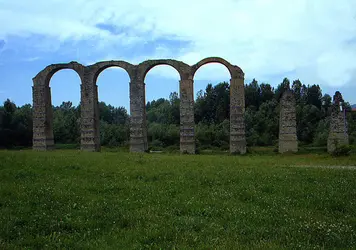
31	59
264	37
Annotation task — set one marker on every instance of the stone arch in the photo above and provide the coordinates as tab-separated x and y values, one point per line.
42	106
235	71
138	128
237	102
99	67
43	138
44	77
91	123
182	68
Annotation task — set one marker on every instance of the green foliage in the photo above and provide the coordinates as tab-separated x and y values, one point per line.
212	114
341	150
322	132
351	121
262	125
281	88
253	95
15	125
114	135
66	124
163	135
314	96
164	111
212	106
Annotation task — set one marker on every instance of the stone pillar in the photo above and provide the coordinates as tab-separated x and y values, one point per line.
338	134
145	125
237	119
138	131
288	141
42	117
97	119
90	138
187	139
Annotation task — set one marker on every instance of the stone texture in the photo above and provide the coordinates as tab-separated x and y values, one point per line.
42	118
89	124
42	104
187	143
237	103
237	113
187	140
338	134
235	71
288	141
138	128
90	134
91	76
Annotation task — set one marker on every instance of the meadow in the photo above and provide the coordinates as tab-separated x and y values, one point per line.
117	200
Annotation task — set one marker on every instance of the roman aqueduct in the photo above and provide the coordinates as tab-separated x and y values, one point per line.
43	138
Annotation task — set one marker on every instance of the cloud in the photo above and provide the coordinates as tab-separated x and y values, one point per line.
310	40
31	59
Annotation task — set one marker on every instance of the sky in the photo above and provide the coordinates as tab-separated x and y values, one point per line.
314	41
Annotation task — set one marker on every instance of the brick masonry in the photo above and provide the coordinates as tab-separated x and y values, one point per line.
288	141
90	134
187	140
338	134
237	112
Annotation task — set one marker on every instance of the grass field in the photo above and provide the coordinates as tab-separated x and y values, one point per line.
116	200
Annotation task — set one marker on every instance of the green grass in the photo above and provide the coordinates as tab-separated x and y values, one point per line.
116	200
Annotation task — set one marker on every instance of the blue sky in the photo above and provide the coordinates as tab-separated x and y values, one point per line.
314	41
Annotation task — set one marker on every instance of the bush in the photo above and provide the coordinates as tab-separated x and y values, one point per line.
343	150
156	145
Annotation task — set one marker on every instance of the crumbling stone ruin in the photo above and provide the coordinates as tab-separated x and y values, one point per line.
288	141
338	134
90	139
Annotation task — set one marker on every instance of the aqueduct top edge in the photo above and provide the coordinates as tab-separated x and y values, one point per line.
185	70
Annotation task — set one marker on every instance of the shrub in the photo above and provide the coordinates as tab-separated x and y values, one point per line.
343	150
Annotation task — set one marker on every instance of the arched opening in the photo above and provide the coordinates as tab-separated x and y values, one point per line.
113	107
66	116
162	108
212	106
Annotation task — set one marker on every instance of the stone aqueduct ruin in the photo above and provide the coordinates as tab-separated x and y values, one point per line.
288	141
90	140
43	138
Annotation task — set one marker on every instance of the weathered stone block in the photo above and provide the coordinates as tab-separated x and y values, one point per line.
187	134
288	141
237	121
338	133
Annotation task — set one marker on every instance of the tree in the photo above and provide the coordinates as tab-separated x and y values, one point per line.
9	110
66	124
314	95
212	106
211	110
326	102
22	124
267	92
7	132
222	102
307	124
297	88
281	88
253	94
175	108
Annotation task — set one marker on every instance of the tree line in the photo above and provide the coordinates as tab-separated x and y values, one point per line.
211	110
